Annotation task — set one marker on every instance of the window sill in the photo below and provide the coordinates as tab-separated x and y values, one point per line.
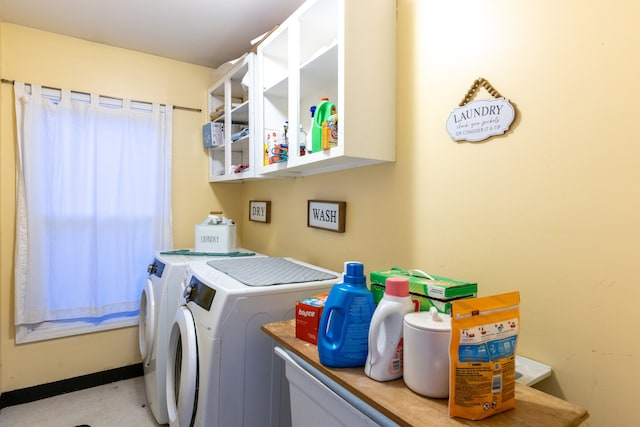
50	330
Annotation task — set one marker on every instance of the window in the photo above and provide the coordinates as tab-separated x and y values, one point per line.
94	203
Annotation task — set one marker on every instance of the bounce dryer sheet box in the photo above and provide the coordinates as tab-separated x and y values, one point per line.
438	292
308	312
212	135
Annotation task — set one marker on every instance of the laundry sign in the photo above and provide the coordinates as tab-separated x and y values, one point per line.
478	120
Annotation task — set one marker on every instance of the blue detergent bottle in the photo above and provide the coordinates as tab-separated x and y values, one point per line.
343	336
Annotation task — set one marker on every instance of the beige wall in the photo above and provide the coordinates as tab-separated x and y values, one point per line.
57	61
550	209
2	234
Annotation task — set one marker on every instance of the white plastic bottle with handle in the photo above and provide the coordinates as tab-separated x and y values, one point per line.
385	356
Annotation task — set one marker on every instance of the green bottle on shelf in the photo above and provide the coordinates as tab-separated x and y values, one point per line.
324	110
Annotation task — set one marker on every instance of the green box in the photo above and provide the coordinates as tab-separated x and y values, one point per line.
443	306
429	293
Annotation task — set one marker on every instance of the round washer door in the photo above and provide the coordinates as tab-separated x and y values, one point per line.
182	370
147	322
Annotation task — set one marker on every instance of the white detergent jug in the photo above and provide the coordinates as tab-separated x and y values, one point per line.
384	359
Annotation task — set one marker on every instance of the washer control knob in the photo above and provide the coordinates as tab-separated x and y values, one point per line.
187	291
152	268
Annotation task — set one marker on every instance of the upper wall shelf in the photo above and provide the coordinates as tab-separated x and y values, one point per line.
344	50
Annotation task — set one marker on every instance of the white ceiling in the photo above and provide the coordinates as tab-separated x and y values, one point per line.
203	32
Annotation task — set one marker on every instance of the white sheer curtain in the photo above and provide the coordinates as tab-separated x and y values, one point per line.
94	202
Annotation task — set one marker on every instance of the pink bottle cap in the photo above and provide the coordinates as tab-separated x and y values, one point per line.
397	287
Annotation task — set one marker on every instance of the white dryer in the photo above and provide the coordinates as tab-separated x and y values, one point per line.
221	369
159	301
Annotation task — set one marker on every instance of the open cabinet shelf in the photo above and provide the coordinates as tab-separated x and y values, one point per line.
343	50
232	100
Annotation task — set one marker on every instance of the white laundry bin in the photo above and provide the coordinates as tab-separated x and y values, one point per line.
317	400
530	372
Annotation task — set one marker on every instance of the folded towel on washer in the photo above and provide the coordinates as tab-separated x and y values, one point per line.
267	271
193	253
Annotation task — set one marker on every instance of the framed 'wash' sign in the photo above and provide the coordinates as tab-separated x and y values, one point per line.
327	215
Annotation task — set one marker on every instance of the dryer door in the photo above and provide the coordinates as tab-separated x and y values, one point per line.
182	370
147	322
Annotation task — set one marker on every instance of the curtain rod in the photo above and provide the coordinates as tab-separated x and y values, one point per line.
175	107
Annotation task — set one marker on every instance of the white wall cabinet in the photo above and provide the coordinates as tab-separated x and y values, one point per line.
232	102
344	50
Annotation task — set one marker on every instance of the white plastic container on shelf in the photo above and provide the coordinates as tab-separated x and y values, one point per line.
385	357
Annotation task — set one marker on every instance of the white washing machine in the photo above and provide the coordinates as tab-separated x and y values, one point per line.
158	304
221	368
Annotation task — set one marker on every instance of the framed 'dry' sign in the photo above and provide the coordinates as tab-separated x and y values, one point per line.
260	211
327	215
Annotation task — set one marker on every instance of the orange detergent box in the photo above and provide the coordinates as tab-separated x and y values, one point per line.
308	312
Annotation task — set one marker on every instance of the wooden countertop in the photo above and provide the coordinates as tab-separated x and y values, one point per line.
400	404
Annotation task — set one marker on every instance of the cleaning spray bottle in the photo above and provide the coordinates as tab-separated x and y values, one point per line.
309	141
385	356
344	324
302	141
